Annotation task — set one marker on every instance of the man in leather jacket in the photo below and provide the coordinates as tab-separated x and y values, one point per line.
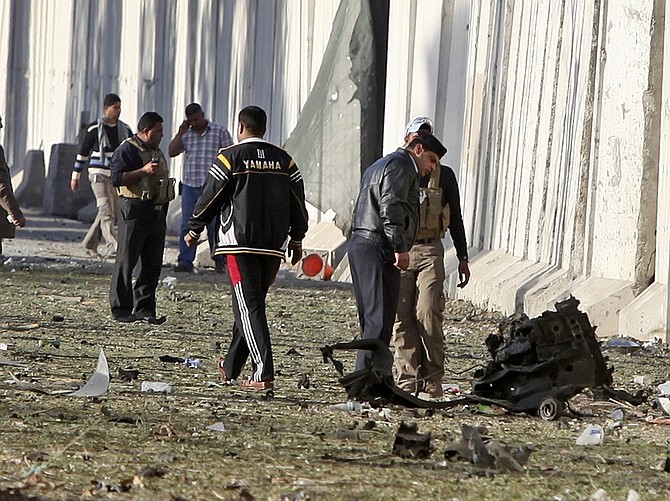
386	218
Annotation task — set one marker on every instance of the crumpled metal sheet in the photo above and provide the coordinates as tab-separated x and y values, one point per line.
98	383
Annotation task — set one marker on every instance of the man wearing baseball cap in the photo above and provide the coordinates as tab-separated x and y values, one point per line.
418	338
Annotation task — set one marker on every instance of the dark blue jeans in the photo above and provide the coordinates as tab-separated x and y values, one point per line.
189	196
376	283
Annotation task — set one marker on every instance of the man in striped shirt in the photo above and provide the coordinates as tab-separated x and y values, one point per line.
201	139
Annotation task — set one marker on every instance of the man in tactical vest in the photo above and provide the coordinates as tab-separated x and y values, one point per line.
418	338
140	173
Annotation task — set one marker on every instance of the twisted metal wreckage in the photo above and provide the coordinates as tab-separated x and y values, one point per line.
537	366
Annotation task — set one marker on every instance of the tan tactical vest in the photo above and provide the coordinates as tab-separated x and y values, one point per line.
157	187
433	218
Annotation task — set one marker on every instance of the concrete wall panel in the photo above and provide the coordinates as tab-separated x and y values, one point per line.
620	153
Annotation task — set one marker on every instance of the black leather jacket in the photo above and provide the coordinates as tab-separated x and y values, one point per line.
387	208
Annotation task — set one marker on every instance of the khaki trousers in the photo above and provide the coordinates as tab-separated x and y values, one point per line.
103	226
418	337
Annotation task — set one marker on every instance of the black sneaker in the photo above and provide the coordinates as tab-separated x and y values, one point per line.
126	319
182	268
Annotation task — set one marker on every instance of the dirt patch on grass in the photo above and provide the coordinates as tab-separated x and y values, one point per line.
208	441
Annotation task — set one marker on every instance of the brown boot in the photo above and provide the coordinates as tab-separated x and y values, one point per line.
434	389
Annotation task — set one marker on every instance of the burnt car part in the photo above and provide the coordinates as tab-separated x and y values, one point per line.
539	363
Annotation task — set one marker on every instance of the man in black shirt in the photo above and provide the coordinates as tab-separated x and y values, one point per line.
140	173
418	337
386	217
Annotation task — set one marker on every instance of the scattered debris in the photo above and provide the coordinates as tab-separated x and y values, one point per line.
664	388
169	359
303	382
353	435
624	345
218	427
349	406
617	414
128	373
192	363
98	384
477	447
120	418
169	281
156	387
21	385
592	435
6	361
663	404
375	382
409	443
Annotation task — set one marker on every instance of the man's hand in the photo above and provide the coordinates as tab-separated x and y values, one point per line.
463	273
183	128
402	260
150	168
295	252
190	240
20	222
74	184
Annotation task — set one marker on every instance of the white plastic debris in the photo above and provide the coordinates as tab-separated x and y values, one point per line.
220	427
663	404
169	281
592	435
98	384
664	388
641	380
156	387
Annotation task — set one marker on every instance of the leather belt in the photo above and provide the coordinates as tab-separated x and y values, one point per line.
425	241
371	235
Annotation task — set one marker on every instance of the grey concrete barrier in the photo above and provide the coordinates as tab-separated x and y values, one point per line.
59	200
30	193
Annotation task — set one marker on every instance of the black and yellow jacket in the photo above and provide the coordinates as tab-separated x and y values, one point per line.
259	192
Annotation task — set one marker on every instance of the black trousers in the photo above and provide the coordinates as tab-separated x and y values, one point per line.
376	287
251	276
141	239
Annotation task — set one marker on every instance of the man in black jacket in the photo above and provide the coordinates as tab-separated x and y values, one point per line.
258	190
385	223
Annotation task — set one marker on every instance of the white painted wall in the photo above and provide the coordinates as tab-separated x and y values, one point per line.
565	188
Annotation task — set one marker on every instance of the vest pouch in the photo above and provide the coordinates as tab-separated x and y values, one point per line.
165	191
140	189
432	214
